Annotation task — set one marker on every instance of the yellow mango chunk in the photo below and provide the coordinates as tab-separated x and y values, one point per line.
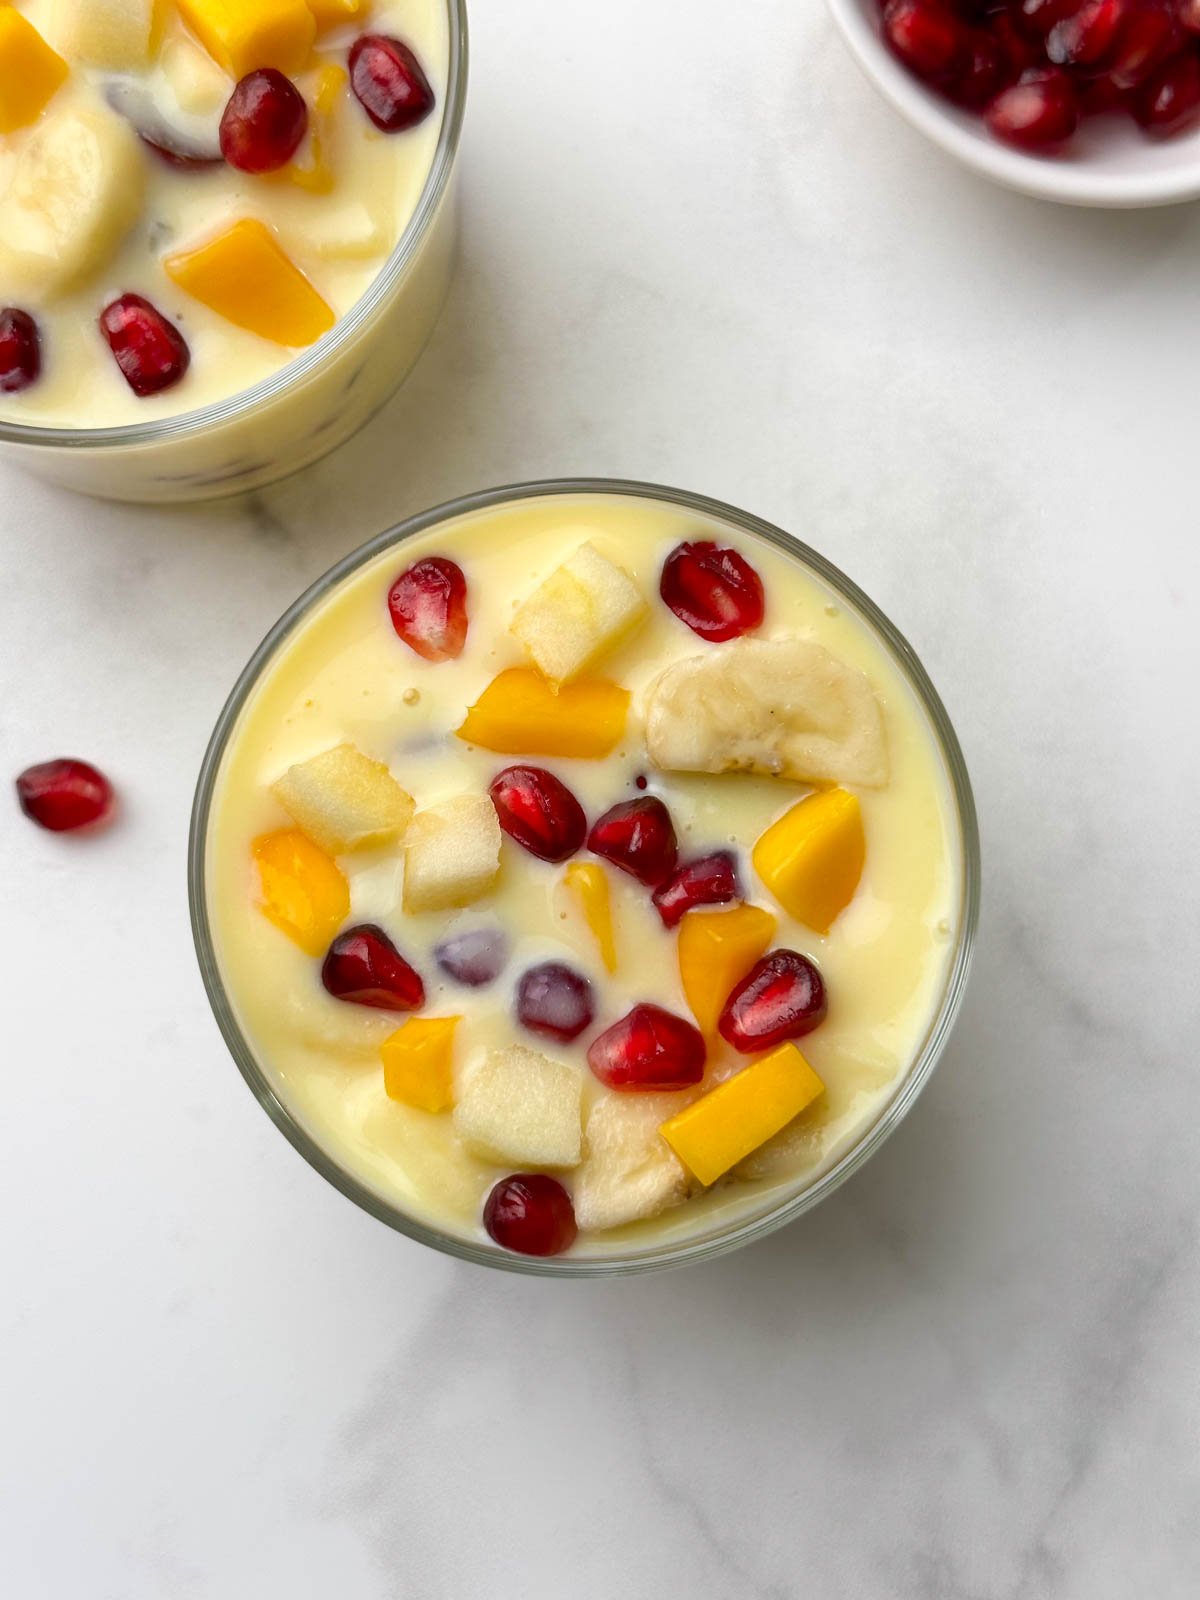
329	13
242	35
812	858
304	892
716	951
315	172
588	882
418	1061
520	714
245	276
714	1133
30	72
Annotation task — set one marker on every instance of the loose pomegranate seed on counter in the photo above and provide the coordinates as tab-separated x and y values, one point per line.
714	590
1038	111
782	998
530	1214
64	795
475	958
264	122
20	350
150	351
538	810
1170	101
428	605
649	1049
389	82
556	1001
639	837
364	968
711	881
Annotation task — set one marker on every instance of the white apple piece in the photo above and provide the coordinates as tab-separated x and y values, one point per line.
629	1172
451	853
117	34
519	1108
583	610
345	801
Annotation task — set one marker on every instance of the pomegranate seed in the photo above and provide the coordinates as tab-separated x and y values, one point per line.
264	122
538	810
984	72
1099	95
531	1215
1038	111
649	1049
714	590
150	351
1035	18
555	1000
1018	50
389	81
475	958
365	968
64	795
1084	38
20	350
925	37
1169	101
639	837
711	881
428	604
1188	14
1148	35
782	998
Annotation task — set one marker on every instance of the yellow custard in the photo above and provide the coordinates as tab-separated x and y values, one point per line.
344	677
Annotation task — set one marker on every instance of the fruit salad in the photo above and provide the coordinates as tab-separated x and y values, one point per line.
193	192
583	872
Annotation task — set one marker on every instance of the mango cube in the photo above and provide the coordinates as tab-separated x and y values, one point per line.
520	713
245	276
344	801
116	34
716	951
629	1172
243	35
418	1063
451	853
520	1109
303	892
30	72
329	13
716	1132
583	609
812	858
315	171
588	883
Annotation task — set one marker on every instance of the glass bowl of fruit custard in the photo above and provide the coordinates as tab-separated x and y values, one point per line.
584	877
226	230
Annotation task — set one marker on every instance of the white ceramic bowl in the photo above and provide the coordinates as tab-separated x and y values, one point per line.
1110	162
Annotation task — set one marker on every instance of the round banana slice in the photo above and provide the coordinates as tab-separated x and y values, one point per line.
785	708
75	190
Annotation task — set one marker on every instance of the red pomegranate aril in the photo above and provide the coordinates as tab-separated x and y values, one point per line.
711	881
781	998
639	837
531	1215
1169	102
538	810
475	958
1148	35
264	122
1187	13
20	350
1035	18
1084	37
1039	111
364	968
389	82
1100	95
649	1049
428	604
984	73
65	794
150	351
556	1001
1019	50
713	589
928	39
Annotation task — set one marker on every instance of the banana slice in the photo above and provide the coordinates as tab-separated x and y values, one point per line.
75	191
785	708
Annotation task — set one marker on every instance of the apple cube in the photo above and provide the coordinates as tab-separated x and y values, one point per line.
344	801
451	853
521	1109
629	1172
583	609
117	34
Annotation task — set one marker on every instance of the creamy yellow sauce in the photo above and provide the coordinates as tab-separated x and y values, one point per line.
344	675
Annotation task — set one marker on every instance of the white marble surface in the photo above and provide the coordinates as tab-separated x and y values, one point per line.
706	255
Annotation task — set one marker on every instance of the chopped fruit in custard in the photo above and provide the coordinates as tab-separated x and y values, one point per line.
64	795
538	810
345	801
364	968
639	837
389	83
711	881
116	34
418	1063
31	73
556	1001
264	122
716	950
521	714
531	1215
781	998
304	893
588	883
242	35
628	1172
451	853
313	167
475	958
584	609
716	1132
518	1105
714	590
246	276
332	13
813	857
651	1048
20	350
149	349
428	607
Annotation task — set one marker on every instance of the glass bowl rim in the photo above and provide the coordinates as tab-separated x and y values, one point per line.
669	1254
219	413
